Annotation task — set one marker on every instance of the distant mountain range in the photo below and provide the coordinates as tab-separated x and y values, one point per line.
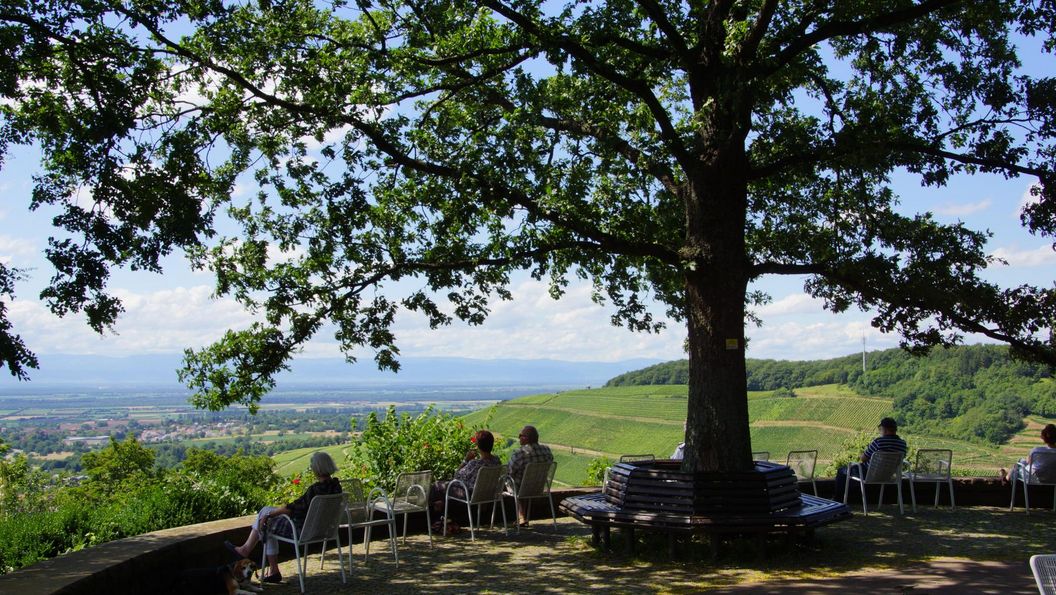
160	371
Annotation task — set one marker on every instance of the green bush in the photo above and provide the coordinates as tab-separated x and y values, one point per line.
399	443
596	470
850	452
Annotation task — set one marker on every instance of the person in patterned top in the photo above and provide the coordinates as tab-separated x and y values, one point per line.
887	441
529	452
478	457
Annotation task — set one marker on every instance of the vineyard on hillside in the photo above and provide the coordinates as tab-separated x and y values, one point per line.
583	424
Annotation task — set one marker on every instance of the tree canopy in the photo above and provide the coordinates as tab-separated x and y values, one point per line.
660	150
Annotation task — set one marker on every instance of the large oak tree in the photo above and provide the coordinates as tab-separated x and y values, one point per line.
662	150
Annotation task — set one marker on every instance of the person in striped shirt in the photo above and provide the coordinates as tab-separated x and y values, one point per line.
887	441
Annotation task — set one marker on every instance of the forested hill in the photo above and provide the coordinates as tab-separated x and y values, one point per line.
966	391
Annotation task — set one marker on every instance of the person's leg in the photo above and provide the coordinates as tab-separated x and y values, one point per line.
254	533
841	482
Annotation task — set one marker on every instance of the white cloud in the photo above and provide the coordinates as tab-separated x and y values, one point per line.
834	336
796	303
533	326
952	209
163	321
14	249
1040	256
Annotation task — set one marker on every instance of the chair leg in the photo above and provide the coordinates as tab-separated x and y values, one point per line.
938	488
953	506
814	484
880	502
429	523
392	539
913	494
553	513
405	515
865	509
341	558
901	508
1026	495
469	514
1012	504
297	556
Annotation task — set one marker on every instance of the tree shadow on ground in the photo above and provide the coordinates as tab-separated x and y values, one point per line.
881	552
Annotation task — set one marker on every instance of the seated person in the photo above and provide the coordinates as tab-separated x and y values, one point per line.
267	525
529	452
887	441
1048	436
476	458
680	450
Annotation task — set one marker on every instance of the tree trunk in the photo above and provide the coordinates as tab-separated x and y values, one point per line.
717	433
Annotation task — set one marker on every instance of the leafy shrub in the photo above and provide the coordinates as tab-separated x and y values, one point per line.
398	443
596	470
850	452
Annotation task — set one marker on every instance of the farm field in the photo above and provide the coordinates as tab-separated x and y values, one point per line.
648	419
293	461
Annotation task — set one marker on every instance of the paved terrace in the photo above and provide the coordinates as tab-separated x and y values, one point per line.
978	549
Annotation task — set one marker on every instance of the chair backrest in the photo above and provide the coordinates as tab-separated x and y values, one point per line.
933	463
1044	568
357	505
325	514
634	458
488	486
761	455
1043	467
885	467
803	462
420	481
536	479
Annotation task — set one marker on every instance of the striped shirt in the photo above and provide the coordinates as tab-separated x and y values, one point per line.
886	444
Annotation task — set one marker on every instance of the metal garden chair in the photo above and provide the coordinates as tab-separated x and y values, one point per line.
535	483
933	465
803	463
411	495
321	525
885	468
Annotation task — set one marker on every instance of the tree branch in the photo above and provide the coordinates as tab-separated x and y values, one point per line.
656	14
755	36
872	24
591	62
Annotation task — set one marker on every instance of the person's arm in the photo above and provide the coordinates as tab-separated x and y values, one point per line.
278	511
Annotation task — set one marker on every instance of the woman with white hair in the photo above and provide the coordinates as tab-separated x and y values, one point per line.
269	522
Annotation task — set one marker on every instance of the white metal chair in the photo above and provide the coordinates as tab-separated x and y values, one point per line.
535	483
803	463
1044	568
761	455
487	488
360	509
321	525
933	465
1040	471
885	468
411	495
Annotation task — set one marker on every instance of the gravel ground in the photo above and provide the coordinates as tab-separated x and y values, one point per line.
540	560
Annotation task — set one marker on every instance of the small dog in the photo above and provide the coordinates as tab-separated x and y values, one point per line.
229	579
